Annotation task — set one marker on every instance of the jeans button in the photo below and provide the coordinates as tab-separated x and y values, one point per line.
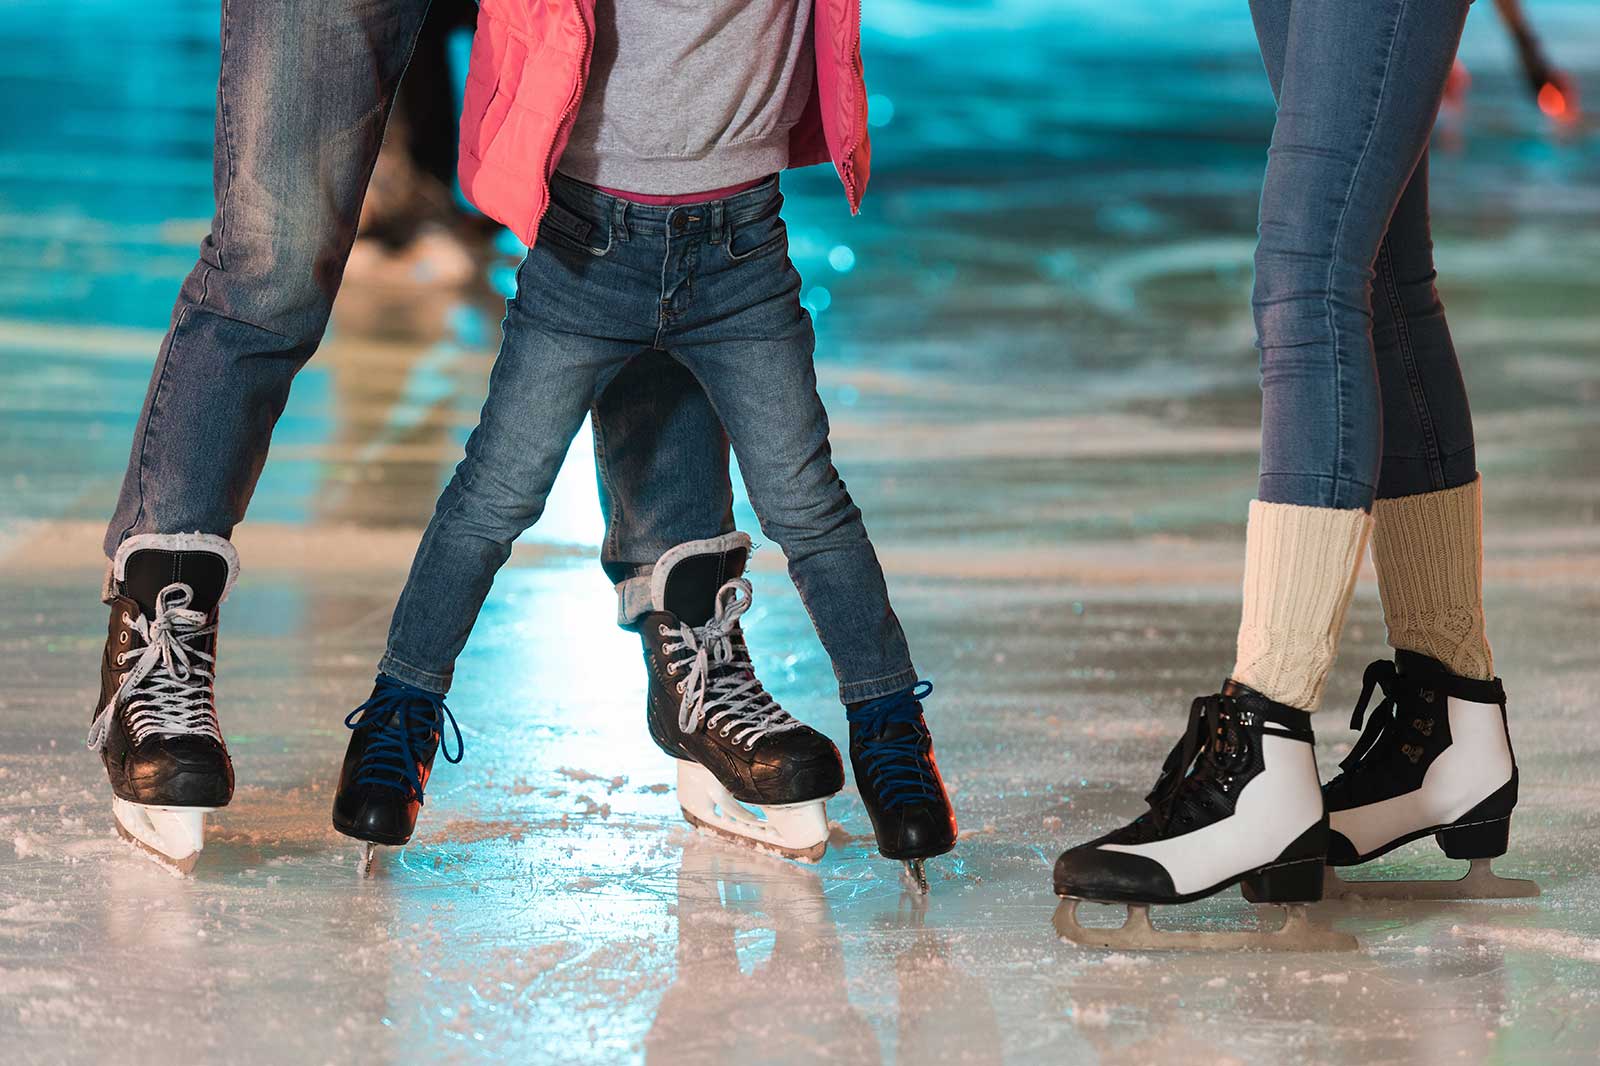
678	222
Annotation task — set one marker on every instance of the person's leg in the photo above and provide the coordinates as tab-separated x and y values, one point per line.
1358	87
756	365
740	328
1427	541
661	456
302	98
549	374
1239	802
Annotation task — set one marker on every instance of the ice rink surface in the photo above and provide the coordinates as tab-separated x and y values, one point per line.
1037	357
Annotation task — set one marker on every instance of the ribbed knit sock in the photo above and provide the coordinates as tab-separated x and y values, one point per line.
1299	572
1428	550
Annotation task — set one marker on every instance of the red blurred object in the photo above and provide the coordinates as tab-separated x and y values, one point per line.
1552	101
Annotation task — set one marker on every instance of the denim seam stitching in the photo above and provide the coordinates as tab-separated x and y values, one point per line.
613	546
1338	232
1419	398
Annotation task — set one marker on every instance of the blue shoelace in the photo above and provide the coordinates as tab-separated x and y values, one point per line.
400	715
899	765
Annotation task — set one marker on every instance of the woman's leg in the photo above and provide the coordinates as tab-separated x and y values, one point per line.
1358	88
1427	541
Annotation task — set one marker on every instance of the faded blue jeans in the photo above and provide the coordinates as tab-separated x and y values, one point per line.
1361	392
302	100
608	282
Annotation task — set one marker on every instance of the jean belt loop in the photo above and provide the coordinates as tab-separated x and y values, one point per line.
716	225
619	219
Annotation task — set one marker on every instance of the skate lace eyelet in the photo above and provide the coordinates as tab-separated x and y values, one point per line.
680	687
122	638
126	620
662	630
672	670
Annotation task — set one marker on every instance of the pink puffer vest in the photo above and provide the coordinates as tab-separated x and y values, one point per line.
530	60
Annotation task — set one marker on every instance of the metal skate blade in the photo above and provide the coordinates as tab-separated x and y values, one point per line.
916	876
810	855
172	836
792	830
364	861
1297	933
1479	882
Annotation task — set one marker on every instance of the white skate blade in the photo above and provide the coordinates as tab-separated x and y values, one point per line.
1297	933
1479	882
793	830
173	836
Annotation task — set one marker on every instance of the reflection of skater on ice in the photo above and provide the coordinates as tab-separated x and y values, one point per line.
725	999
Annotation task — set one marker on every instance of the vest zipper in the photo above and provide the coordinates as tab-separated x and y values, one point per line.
571	109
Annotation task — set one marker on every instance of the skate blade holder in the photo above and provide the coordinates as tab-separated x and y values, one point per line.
796	831
1479	882
172	836
1296	933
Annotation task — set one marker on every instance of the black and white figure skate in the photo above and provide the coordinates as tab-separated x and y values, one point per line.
394	737
747	771
1435	760
1237	802
891	754
155	726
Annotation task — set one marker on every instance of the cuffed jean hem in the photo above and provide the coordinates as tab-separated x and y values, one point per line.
1316	490
862	691
1412	477
634	599
439	684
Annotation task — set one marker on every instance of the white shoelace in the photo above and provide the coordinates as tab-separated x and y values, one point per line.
721	689
168	691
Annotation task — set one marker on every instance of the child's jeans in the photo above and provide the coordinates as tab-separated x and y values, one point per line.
607	281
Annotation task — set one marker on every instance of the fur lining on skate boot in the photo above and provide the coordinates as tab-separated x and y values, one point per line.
171	542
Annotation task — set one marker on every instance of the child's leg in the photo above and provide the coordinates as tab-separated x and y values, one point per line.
757	367
752	349
542	386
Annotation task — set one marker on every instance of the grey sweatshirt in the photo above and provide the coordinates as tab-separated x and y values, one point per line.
687	96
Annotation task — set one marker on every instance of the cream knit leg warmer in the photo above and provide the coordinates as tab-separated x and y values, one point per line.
1299	572
1428	550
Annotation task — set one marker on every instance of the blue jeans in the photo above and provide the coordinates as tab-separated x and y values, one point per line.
1361	392
302	100
606	283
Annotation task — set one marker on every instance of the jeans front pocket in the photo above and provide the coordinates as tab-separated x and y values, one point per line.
570	230
757	234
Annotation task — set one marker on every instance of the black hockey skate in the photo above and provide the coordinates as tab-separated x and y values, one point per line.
394	737
891	754
1237	802
747	771
155	726
1435	760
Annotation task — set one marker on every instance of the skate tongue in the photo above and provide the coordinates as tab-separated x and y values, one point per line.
150	570
692	584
